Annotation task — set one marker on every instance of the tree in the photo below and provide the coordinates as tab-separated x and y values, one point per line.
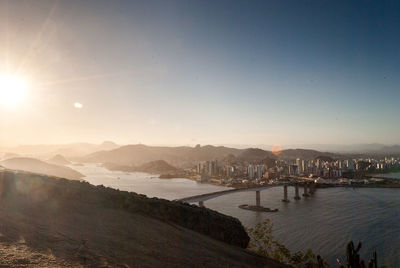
263	243
353	258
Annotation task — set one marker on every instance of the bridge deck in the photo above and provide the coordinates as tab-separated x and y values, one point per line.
208	196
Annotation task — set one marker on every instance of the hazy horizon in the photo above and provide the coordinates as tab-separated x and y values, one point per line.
355	147
199	72
232	145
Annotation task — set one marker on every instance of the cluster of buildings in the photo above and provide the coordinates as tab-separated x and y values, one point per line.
320	169
211	170
384	164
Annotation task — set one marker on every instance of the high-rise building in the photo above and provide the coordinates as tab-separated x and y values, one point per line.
318	163
300	165
259	172
199	168
293	170
212	167
350	164
207	168
229	171
250	171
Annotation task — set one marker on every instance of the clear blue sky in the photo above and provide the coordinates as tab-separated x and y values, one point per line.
187	72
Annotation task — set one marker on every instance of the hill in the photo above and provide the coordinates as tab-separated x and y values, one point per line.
58	160
254	154
305	154
154	167
185	156
140	154
393	150
324	158
117	167
355	149
70	150
10	155
80	149
38	166
62	223
158	166
268	161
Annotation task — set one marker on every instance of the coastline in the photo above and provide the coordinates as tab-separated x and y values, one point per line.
386	175
386	183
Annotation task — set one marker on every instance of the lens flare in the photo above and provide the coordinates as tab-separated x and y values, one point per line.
276	149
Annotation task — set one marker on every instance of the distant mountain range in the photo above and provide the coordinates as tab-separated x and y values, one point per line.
362	148
45	151
365	148
394	149
184	156
139	154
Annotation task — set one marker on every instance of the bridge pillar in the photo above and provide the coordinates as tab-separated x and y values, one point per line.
257	198
285	199
312	188
306	190
201	204
296	192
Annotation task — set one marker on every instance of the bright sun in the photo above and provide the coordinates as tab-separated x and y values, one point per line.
12	90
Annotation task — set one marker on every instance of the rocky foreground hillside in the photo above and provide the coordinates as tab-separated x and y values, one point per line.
46	222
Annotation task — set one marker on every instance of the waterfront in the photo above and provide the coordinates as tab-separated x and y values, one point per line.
145	183
324	222
393	175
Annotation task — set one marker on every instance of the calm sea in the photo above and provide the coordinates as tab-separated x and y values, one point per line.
324	222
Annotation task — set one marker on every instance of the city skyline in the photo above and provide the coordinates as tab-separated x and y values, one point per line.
183	73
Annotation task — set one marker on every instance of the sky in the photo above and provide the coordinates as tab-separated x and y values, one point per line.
202	72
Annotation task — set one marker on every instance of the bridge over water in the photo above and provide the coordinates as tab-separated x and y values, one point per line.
204	197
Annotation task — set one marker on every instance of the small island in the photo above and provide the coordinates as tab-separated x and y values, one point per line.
258	208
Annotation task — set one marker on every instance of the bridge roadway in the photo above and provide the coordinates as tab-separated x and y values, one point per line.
203	197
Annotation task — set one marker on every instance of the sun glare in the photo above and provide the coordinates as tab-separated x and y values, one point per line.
12	90
78	105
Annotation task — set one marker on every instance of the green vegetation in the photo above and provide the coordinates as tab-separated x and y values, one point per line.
354	260
262	242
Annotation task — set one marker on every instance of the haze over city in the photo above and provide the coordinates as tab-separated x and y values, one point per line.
208	72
